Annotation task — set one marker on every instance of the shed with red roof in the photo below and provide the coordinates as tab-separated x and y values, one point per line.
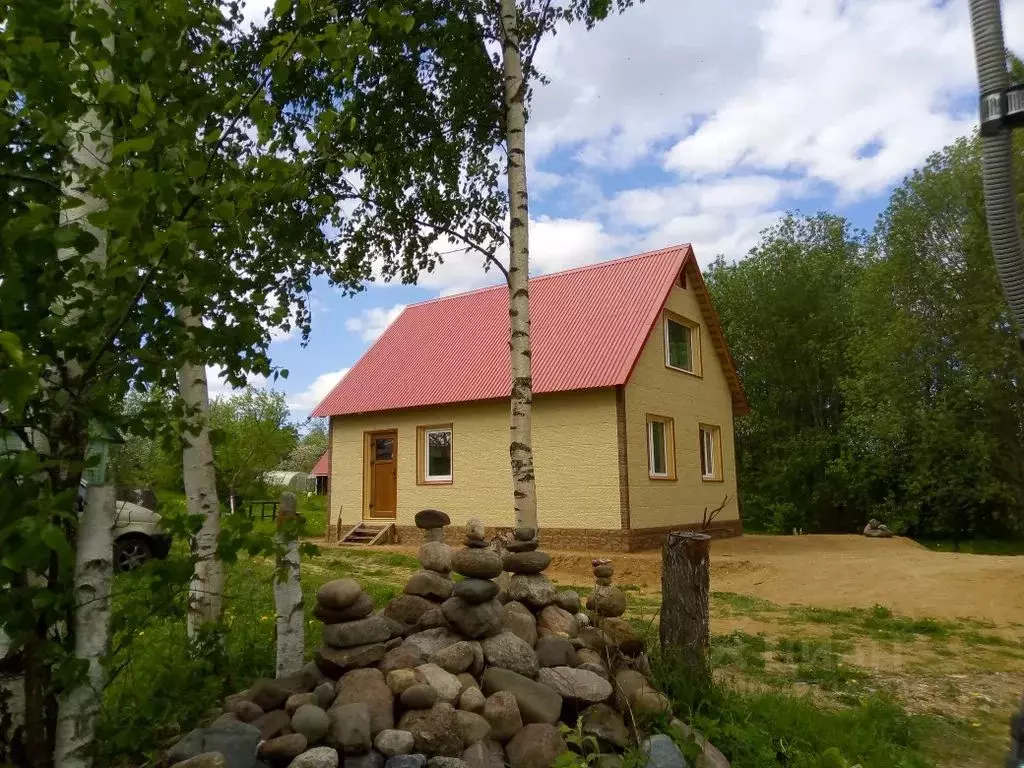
634	398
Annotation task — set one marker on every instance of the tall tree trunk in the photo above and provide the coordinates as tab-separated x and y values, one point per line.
207	586
94	570
685	629
524	487
288	592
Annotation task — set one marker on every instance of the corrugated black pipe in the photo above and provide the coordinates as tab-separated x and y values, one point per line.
997	160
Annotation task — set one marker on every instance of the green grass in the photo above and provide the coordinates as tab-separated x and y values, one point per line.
977	546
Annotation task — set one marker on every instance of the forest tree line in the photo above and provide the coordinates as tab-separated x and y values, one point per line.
883	370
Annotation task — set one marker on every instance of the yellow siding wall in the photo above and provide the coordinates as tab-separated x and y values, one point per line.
575	455
690	401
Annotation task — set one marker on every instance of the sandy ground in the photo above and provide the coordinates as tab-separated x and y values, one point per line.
836	571
840	572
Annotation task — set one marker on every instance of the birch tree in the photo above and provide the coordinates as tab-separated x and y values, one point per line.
291	644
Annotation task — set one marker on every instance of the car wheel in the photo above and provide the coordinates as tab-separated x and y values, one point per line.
131	552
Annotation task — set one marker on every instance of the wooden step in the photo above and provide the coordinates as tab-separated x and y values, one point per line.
364	534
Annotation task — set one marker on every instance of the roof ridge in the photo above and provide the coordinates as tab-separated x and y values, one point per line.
581	268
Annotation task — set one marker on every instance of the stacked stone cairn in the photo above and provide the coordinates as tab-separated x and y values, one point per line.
454	673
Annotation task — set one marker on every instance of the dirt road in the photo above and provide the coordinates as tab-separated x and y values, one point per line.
840	572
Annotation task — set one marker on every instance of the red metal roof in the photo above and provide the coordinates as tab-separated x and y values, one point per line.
320	468
588	327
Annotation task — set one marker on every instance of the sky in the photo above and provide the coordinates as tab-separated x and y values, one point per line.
688	121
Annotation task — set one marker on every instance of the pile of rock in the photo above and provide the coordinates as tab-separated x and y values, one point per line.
876	529
454	674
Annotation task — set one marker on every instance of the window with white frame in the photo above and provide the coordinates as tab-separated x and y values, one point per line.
679	345
710	452
437	454
660	448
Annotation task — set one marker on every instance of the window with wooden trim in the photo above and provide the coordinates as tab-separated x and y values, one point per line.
661	448
434	454
682	344
710	452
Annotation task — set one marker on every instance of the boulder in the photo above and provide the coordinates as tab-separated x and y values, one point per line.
427	519
282	749
648	702
339	594
604	571
360	609
407	609
334	662
400	680
367	686
472	727
393	742
526	562
435	556
533	590
205	760
568	600
312	722
538	703
711	756
429	584
475	528
508	651
578	684
434	730
467	680
430	640
476	590
248	711
446	684
582	620
419	696
607	601
557	621
517	619
536	746
606	725
589	659
623	636
406	656
269	694
441	761
473	621
273	723
522	546
525	534
662	752
236	741
430	618
372	759
318	757
472	699
477	563
502	713
311	676
455	658
374	629
595	639
555	651
296	700
325	693
484	754
415	760
350	728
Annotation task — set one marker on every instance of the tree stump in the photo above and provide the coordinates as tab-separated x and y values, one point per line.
685	610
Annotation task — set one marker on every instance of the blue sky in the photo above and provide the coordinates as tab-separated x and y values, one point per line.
688	121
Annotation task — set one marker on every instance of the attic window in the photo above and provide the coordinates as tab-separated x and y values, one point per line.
681	344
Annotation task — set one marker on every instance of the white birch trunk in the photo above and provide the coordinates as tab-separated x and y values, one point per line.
207	585
94	570
288	596
524	488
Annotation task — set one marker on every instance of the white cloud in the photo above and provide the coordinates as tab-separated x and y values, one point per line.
219	387
310	397
370	323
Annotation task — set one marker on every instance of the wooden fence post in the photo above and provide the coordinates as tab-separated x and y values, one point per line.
685	610
288	591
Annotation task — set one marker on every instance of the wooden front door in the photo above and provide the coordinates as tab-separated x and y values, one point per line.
383	475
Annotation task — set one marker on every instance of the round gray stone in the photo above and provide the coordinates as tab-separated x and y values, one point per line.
568	600
312	722
374	629
475	528
406	761
527	562
456	658
534	590
419	696
662	752
429	584
477	563
476	590
508	651
317	757
522	546
339	593
431	518
393	742
435	556
473	621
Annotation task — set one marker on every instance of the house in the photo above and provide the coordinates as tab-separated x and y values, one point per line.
320	474
635	395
